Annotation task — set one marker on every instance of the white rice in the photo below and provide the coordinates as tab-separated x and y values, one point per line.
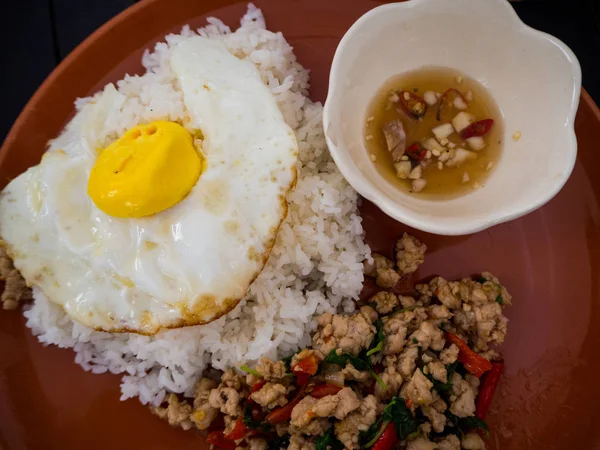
315	266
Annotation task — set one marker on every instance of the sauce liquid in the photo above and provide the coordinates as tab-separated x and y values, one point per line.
447	182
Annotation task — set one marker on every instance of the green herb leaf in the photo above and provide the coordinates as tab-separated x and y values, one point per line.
328	441
438	385
376	430
360	362
251	371
379	381
396	411
288	363
451	369
471	423
452	419
377	344
254	424
401	310
480	280
345	358
462	425
415	341
499	300
467	424
248	420
413	435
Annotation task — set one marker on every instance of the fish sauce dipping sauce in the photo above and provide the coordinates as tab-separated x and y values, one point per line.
434	132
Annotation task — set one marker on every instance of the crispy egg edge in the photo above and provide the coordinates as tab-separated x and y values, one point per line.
196	316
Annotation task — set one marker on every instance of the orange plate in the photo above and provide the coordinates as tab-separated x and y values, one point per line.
550	260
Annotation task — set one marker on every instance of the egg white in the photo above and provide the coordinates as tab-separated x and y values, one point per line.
188	264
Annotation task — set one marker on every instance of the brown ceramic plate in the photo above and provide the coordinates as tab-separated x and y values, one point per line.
550	261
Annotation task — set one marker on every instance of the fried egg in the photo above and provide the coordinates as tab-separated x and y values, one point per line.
163	227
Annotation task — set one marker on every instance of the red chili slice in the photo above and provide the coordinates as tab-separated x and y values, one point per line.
416	152
255	387
305	368
217	438
322	390
388	438
284	413
475	364
487	388
443	99
258	386
239	430
412	104
477	129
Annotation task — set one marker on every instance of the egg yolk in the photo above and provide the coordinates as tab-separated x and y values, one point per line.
149	169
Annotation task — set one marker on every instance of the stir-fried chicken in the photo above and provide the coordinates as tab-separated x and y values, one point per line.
204	413
410	254
348	333
348	429
177	413
270	395
15	287
411	363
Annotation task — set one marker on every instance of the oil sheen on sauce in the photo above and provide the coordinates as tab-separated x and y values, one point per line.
447	182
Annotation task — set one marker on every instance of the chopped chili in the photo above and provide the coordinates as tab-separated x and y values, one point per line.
258	386
416	152
239	430
475	364
324	389
487	388
388	438
304	368
284	413
217	438
477	129
412	104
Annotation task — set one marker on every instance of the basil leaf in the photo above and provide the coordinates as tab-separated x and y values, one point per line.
360	362
444	387
345	358
499	300
404	421
438	385
383	424
467	424
328	441
377	344
288	363
396	412
251	423
462	425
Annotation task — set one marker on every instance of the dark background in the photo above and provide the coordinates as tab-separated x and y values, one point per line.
38	34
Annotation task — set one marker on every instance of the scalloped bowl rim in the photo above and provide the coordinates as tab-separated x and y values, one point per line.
395	210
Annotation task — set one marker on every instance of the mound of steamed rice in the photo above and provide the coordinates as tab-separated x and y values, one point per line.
315	266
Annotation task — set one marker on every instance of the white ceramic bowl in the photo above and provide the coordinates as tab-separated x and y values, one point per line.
534	78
